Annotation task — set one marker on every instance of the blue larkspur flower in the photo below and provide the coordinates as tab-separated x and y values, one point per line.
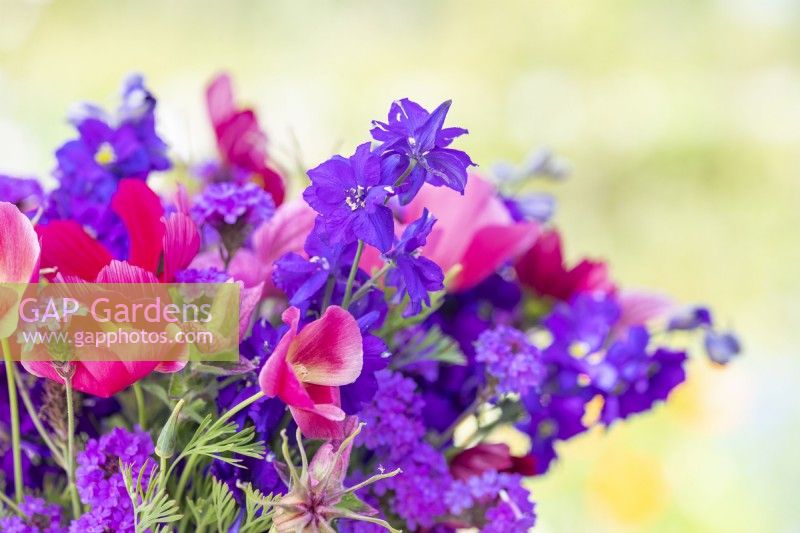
349	194
413	135
413	274
109	147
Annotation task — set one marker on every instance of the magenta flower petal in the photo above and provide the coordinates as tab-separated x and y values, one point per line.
328	351
67	247
141	211
20	246
181	244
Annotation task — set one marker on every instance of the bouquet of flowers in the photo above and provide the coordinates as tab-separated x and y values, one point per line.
390	321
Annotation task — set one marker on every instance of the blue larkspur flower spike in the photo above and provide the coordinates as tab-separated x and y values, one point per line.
350	194
413	135
414	275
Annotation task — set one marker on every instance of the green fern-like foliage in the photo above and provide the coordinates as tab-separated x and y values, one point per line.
218	439
258	510
153	509
217	511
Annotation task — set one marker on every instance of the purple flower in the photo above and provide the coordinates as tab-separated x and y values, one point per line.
411	135
511	359
109	147
587	318
505	501
304	280
376	358
98	475
420	489
103	519
414	275
228	204
551	418
393	426
690	318
202	275
721	347
39	517
349	194
25	193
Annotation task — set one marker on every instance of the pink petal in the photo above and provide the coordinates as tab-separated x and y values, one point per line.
219	99
250	297
100	378
314	426
181	244
124	272
67	247
491	247
141	211
328	351
19	244
639	307
170	367
248	268
326	420
276	377
285	232
459	221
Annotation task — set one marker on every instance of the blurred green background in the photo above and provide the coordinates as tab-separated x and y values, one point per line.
681	121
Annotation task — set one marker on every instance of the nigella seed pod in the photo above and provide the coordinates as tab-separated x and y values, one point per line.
167	439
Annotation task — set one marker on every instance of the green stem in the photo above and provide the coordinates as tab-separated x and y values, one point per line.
190	464
14	414
57	451
137	391
364	289
348	290
162	475
10	504
399	181
480	399
73	491
184	479
329	286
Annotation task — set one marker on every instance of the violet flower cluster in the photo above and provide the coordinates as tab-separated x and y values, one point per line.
392	317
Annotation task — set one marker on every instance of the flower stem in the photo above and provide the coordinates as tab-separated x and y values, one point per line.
137	391
364	289
329	286
190	464
58	453
399	181
14	415
348	290
481	398
73	490
8	502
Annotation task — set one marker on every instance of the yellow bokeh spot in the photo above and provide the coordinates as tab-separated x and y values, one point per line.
593	409
627	486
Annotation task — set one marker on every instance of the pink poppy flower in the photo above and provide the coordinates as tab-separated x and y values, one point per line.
542	269
19	261
240	139
308	366
474	231
154	240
